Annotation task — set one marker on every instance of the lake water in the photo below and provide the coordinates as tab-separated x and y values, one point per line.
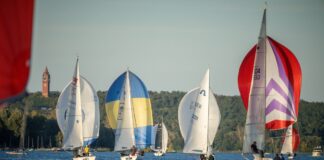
46	155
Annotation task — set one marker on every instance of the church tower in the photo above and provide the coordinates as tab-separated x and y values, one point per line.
45	83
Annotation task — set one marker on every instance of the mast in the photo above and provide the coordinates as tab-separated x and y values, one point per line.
124	135
24	124
264	24
162	137
131	104
255	118
208	115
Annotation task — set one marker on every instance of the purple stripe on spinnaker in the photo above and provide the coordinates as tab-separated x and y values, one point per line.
274	85
283	75
281	70
275	105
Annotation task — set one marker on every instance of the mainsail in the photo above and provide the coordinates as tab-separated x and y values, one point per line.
199	118
160	137
77	112
269	82
141	107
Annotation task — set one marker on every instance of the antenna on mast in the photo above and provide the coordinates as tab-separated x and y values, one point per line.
265	5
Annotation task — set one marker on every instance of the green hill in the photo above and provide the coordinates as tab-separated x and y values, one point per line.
42	129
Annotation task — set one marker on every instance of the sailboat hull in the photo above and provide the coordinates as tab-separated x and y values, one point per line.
85	158
258	157
158	154
128	157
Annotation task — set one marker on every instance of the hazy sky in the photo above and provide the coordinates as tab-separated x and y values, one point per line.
169	44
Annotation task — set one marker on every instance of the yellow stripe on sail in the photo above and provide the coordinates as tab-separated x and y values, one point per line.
142	112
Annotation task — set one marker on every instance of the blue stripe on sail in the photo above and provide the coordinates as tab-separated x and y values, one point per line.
143	136
138	89
115	89
88	141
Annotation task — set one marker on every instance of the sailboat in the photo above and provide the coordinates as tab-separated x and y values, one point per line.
199	118
290	142
130	115
160	137
269	81
77	114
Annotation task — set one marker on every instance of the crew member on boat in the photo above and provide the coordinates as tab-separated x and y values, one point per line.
86	151
133	150
277	157
255	149
202	157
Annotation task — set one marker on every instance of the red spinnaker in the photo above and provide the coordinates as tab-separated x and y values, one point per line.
16	19
292	71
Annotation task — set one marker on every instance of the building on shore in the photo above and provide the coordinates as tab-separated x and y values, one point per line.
46	83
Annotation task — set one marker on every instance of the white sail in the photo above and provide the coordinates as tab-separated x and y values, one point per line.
70	121
89	106
255	119
124	135
287	146
90	112
196	110
164	138
160	138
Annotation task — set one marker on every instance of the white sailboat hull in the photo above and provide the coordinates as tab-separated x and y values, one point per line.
128	157
258	157
158	154
85	158
316	154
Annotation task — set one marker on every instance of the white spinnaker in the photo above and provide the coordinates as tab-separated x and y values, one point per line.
287	146
164	138
255	118
90	112
124	136
69	114
199	135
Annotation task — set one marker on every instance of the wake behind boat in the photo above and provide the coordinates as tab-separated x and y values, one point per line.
78	115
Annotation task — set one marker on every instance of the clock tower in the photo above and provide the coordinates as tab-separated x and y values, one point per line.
45	83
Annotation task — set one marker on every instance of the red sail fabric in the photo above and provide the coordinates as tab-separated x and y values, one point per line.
16	18
295	140
245	76
290	64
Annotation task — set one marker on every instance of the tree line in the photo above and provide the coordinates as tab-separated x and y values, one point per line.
42	129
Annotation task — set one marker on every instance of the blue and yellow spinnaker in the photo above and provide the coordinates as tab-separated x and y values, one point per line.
141	107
